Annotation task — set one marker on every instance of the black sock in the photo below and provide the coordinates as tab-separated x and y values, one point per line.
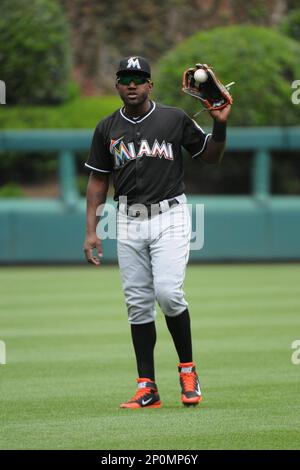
180	329
144	339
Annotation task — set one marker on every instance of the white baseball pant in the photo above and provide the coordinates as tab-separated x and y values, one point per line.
152	255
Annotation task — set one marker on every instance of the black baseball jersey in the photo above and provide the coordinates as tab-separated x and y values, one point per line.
144	154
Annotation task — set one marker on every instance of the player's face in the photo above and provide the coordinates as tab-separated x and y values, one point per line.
132	92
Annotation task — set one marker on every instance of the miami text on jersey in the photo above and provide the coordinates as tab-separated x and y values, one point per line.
122	152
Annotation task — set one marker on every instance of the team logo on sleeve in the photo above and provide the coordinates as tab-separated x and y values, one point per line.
124	152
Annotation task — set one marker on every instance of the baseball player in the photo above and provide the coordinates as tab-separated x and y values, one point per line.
140	145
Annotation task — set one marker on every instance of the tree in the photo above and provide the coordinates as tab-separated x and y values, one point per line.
291	25
34	52
262	62
104	31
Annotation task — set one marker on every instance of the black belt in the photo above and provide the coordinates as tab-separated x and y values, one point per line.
149	210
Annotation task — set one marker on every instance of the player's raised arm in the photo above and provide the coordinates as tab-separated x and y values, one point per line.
216	144
96	195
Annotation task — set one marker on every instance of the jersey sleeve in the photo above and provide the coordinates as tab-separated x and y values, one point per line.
99	158
194	138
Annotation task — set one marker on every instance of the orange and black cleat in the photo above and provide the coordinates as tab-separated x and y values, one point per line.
190	384
146	396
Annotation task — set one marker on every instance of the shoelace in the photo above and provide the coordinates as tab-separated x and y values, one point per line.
140	392
189	381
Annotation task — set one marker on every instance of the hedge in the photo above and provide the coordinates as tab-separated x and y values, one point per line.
78	113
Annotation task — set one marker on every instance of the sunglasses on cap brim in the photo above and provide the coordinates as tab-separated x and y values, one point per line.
137	79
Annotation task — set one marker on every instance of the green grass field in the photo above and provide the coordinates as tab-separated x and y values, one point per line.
70	361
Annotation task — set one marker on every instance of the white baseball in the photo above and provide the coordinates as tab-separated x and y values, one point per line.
200	76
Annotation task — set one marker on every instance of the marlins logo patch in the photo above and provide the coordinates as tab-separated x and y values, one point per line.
133	62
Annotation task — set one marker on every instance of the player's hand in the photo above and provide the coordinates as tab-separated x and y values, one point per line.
92	242
221	115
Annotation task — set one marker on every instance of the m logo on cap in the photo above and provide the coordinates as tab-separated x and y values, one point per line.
133	63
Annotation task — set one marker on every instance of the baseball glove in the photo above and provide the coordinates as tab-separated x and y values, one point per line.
205	86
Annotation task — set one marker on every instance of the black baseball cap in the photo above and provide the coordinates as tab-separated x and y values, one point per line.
134	64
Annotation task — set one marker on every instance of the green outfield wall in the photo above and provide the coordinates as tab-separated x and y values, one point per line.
259	227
